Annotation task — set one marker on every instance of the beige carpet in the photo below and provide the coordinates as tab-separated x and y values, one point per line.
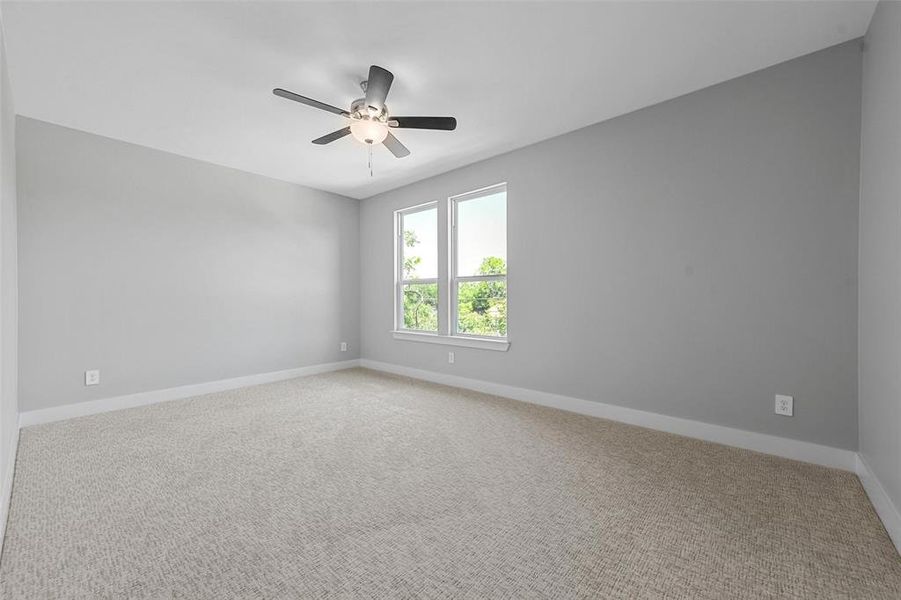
362	485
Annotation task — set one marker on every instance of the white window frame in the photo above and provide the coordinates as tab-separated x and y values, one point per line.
447	280
399	281
454	279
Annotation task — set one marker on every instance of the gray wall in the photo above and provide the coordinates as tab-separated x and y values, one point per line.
163	271
693	258
880	250
8	295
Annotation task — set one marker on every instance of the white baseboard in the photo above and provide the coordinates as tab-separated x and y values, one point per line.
759	442
749	440
882	502
6	486
91	407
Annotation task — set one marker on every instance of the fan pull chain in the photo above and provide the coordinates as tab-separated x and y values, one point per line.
370	159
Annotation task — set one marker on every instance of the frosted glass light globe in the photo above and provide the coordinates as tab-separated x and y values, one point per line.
369	131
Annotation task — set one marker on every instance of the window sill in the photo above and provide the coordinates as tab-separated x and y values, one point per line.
453	340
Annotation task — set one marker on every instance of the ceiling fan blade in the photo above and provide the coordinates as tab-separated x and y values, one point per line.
377	86
331	137
442	123
310	102
393	144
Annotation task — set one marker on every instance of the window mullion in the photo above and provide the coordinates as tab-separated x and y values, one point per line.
452	275
464	278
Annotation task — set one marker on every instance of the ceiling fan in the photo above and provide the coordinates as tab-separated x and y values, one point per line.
370	121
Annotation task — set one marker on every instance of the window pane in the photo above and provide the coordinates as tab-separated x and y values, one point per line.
482	308
420	248
482	235
421	306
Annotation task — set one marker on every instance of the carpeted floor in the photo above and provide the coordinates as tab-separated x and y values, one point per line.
359	484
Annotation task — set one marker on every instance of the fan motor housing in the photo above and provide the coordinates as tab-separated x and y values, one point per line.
359	106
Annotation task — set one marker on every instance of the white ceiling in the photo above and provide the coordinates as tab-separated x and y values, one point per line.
196	78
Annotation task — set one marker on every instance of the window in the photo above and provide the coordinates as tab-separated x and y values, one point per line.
479	282
418	268
453	289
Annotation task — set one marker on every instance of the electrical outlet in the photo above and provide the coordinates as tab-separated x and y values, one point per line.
450	357
343	346
92	377
785	405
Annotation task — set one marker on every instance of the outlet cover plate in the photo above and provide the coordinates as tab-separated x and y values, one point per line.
92	377
785	405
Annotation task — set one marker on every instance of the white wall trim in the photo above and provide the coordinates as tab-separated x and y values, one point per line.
6	486
882	502
91	407
749	440
759	442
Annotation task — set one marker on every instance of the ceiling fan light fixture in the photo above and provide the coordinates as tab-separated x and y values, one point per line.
369	131
370	118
